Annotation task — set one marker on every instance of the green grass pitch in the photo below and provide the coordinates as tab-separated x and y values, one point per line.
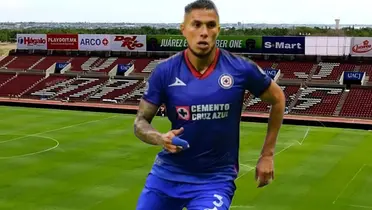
74	160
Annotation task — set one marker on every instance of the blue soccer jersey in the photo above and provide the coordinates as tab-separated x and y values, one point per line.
209	107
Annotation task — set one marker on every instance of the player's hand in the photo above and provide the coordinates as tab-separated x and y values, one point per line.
167	141
265	170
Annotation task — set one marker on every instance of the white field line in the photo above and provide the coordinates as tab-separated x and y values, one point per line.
360	206
348	183
33	153
277	153
242	207
58	129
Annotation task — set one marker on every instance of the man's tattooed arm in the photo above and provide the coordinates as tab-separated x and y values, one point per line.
142	124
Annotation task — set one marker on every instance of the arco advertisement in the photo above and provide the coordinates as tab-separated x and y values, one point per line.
94	42
236	44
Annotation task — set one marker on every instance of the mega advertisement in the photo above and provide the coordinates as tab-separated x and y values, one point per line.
31	41
361	46
128	43
236	44
283	44
94	42
62	41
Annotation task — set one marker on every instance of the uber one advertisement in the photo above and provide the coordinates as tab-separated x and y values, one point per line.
235	44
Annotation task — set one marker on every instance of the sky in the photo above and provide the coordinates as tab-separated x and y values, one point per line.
171	11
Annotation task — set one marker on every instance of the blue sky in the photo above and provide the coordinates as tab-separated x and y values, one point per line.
163	11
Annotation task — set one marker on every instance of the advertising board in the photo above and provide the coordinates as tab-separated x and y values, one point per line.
361	46
94	42
128	43
175	43
283	44
31	41
62	42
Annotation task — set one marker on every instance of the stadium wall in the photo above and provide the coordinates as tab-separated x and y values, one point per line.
246	117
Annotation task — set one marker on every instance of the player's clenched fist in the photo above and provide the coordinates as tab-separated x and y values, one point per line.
167	141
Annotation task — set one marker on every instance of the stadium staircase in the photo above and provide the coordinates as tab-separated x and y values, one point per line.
357	68
341	103
133	91
21	83
312	72
50	86
295	99
151	66
32	86
81	88
247	98
115	90
307	76
9	61
321	101
7	78
36	63
102	64
99	88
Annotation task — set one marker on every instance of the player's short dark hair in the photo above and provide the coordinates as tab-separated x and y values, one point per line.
201	4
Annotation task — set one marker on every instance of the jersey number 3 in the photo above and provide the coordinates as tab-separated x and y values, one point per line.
218	203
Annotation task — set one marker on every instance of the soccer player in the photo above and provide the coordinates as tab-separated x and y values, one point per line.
202	88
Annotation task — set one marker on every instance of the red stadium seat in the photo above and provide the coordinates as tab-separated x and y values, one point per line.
358	103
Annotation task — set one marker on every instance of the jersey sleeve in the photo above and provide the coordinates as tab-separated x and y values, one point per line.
256	80
154	91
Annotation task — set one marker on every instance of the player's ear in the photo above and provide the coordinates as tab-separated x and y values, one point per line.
182	28
218	29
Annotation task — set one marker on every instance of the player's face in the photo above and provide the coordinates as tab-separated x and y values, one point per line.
201	29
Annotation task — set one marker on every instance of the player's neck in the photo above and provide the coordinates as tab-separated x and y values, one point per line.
201	64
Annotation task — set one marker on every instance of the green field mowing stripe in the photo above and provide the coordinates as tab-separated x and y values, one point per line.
99	164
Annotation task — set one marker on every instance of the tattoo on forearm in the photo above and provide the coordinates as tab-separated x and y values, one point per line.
142	124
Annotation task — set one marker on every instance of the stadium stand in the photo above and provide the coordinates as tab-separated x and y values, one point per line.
331	71
115	89
368	70
19	83
257	105
311	88
295	70
48	87
318	101
141	64
358	103
22	63
80	88
47	61
136	94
